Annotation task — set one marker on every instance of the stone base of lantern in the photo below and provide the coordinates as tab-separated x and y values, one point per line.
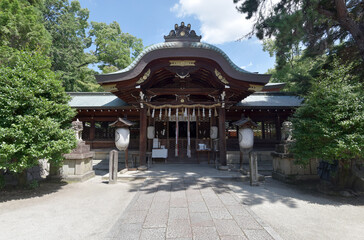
285	169
77	165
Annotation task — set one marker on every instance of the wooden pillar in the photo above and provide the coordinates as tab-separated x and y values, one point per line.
142	136
222	136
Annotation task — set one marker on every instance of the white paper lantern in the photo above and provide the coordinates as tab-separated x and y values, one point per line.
150	132
246	138
213	132
122	138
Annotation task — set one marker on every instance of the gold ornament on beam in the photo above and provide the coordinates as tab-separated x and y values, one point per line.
181	63
145	77
255	88
220	77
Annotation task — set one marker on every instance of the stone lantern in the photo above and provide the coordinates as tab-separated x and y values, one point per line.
77	165
246	134
246	143
122	139
122	133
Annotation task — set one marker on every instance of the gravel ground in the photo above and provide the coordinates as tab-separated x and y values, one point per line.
300	212
64	211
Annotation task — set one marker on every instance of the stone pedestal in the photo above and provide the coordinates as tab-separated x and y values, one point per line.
77	165
113	167
285	169
253	166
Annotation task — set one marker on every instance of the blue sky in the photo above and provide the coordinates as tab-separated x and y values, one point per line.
217	21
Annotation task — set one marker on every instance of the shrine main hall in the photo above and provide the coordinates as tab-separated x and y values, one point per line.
183	96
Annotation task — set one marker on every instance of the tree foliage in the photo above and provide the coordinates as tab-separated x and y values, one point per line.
67	23
21	26
35	115
317	24
114	49
299	72
72	36
330	124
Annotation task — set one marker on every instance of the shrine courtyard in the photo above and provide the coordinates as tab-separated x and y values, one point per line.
186	206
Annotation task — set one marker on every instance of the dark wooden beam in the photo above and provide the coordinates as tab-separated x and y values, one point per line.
222	138
143	136
178	91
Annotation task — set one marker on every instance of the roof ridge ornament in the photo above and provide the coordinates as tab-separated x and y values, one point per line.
182	33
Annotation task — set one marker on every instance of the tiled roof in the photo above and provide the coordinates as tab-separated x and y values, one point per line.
271	100
166	45
95	100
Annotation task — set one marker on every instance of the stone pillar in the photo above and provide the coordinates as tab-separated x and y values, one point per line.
222	137
253	165
143	139
113	166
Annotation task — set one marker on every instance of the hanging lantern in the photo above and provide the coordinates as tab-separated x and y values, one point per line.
209	112
153	113
203	112
213	132
246	138
122	133
246	134
150	132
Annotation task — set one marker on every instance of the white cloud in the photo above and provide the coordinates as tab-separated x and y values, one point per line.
220	21
249	65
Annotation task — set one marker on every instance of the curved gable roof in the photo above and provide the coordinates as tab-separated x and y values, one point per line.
185	50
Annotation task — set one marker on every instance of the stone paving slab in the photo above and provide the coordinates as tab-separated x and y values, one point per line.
189	208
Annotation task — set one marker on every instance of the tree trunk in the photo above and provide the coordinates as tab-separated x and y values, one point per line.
346	22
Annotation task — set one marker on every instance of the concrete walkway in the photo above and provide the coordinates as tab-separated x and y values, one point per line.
188	208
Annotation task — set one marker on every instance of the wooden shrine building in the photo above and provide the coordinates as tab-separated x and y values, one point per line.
183	94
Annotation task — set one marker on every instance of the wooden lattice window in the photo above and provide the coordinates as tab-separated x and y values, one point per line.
103	131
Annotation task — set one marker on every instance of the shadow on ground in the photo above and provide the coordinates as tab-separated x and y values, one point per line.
271	191
274	191
18	193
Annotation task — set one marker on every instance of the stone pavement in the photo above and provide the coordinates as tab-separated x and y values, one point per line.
188	208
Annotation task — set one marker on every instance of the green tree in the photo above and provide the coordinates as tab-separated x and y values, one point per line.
317	24
114	49
299	71
330	124
35	116
67	23
21	26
